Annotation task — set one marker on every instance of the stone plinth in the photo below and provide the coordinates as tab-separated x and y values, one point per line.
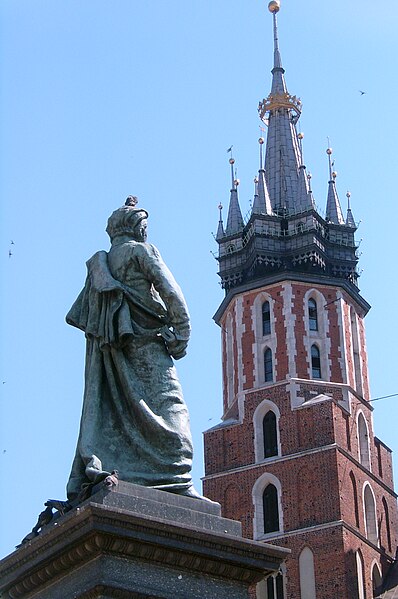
133	542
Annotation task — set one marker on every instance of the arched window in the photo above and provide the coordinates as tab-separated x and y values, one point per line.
363	438
270	509
355	498
387	523
360	579
370	514
266	432
376	579
270	435
268	365
307	574
312	315
266	312
315	362
275	587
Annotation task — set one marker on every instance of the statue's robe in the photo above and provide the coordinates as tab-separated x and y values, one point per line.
134	416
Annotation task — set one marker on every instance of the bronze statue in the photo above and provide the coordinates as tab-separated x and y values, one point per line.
135	320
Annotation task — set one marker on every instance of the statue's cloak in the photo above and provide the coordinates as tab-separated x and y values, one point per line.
134	417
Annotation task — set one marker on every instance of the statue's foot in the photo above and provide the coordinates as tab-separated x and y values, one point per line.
192	492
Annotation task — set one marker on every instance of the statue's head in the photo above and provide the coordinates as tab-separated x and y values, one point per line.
128	220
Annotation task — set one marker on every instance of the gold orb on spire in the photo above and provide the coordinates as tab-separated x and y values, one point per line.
261	140
334	174
236	182
329	151
348	194
300	135
274	6
231	161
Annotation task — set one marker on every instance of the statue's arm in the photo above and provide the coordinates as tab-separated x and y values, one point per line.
152	265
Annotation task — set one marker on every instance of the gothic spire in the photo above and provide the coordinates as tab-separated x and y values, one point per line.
234	220
280	111
333	208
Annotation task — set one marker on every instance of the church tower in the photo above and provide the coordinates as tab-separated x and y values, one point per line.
295	458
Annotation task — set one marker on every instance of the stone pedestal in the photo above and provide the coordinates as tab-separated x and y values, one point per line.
134	542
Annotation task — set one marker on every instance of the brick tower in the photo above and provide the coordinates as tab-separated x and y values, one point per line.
295	457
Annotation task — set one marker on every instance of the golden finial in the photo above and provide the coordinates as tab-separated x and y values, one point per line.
220	206
329	151
334	174
300	135
348	194
274	6
236	182
231	161
261	140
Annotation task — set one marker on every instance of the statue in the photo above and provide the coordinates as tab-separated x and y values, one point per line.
135	320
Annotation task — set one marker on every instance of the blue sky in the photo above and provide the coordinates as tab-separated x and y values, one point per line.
104	99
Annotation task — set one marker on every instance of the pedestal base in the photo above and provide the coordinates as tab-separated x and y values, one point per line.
134	542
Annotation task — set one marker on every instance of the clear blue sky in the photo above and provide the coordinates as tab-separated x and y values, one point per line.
104	99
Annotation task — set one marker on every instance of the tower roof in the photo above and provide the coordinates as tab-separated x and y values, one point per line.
285	235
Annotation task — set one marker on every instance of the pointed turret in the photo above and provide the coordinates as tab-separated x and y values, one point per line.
333	208
234	220
349	221
220	228
262	202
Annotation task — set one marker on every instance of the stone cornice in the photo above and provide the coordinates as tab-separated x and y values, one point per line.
96	530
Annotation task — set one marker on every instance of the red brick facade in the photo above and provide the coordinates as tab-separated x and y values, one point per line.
333	477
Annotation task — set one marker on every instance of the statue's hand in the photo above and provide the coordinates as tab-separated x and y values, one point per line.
176	345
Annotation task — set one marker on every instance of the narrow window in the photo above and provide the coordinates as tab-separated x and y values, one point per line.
387	521
267	365
315	362
363	435
360	579
270	435
275	587
270	509
355	498
376	580
312	315
266	318
279	586
370	515
270	588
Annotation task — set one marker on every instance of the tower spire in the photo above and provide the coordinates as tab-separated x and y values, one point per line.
333	208
278	81
280	111
234	220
